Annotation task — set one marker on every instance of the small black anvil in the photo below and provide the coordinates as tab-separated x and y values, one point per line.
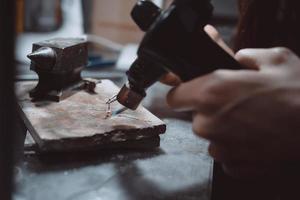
58	63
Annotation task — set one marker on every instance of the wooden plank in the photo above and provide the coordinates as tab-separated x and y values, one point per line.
78	122
31	148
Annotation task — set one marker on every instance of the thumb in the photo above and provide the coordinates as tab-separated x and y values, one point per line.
215	36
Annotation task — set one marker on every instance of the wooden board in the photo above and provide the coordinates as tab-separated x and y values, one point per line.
78	122
31	148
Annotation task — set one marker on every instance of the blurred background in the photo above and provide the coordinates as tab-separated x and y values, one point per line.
106	24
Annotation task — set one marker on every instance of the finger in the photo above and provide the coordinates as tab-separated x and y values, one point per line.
219	152
243	170
226	151
224	141
193	95
170	79
230	145
201	125
209	93
248	171
260	58
214	35
224	147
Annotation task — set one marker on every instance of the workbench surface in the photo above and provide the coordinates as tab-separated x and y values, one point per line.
179	169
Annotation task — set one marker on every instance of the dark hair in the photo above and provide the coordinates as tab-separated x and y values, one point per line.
269	23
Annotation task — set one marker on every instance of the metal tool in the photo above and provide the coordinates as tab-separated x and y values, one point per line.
58	63
109	112
174	41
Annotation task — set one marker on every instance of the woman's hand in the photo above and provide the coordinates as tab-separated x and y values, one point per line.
250	117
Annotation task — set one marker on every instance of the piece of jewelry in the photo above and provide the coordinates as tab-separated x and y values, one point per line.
108	112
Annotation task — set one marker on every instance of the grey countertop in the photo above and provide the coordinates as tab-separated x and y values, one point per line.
179	169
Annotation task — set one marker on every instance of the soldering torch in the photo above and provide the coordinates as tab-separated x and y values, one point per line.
175	41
